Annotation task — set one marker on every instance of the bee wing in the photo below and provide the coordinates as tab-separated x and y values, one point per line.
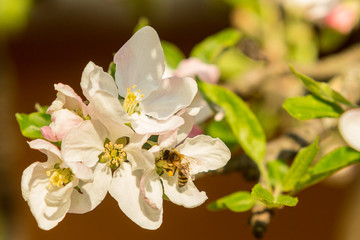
187	162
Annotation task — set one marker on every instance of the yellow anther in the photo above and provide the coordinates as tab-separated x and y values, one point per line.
134	86
59	177
113	155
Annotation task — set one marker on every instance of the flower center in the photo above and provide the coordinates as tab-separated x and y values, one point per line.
113	154
59	177
131	102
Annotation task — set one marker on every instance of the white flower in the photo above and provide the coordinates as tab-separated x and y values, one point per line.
199	154
118	161
48	187
147	101
67	111
349	126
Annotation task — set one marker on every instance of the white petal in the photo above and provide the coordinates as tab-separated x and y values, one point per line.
92	192
107	109
168	139
140	62
125	189
52	152
94	79
36	199
34	171
58	201
349	126
185	129
139	158
188	196
151	189
145	125
81	171
173	95
84	143
208	153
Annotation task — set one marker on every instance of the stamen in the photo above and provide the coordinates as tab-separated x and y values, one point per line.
131	101
59	177
113	155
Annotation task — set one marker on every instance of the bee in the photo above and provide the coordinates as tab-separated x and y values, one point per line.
172	161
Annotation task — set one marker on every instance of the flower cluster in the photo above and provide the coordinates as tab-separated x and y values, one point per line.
128	138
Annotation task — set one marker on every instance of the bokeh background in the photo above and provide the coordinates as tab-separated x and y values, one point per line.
43	42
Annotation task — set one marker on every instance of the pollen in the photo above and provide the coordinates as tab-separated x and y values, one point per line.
131	101
59	177
113	155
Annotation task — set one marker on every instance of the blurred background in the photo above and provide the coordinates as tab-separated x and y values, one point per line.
43	42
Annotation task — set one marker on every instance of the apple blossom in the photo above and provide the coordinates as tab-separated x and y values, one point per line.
118	161
147	101
199	154
67	111
48	187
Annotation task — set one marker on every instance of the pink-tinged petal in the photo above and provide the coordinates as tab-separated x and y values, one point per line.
107	109
349	126
81	171
342	18
94	79
139	158
140	62
84	143
48	134
62	122
188	196
56	105
151	189
208	153
92	193
173	95
52	152
72	101
196	130
125	189
145	125
194	67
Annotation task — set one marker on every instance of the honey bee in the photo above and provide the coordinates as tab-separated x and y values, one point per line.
172	161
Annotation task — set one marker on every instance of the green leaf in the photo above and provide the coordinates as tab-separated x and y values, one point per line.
244	124
222	130
300	166
173	55
328	165
277	170
322	90
287	200
236	202
310	107
266	197
209	49
30	124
